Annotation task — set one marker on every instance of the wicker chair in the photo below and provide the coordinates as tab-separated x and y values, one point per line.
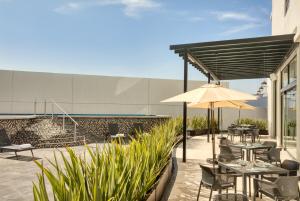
271	156
225	141
216	182
260	152
230	134
283	188
290	165
228	154
253	134
230	197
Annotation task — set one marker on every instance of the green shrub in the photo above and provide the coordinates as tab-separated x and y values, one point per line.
198	123
259	123
118	172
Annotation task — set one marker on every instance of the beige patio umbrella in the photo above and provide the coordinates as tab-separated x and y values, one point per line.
231	104
240	105
210	94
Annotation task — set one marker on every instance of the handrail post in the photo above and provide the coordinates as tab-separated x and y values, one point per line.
45	107
75	132
63	121
52	106
34	107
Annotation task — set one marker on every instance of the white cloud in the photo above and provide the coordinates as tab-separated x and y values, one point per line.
131	8
195	19
241	28
68	8
231	15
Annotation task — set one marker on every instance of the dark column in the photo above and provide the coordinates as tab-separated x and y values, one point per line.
185	106
208	112
219	115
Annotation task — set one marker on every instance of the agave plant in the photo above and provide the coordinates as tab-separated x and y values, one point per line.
116	172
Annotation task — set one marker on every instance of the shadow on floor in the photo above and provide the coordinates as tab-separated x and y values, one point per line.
22	158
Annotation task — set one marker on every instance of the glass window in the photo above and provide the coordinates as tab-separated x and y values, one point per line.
289	73
292	71
285	77
289	118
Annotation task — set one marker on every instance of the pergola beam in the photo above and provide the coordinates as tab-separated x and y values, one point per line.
201	65
248	41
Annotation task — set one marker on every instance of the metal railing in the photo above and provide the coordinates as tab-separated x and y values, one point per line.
62	112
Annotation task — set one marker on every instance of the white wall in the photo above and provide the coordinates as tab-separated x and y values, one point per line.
90	94
289	23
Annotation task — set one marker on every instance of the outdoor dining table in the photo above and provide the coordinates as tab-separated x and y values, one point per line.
246	169
250	147
243	130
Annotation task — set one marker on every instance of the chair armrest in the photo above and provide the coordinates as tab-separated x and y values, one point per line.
265	184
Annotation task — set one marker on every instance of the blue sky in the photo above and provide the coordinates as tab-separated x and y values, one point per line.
122	37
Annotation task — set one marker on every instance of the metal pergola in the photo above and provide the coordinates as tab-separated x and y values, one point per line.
247	58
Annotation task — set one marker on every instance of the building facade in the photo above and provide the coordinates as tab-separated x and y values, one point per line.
284	83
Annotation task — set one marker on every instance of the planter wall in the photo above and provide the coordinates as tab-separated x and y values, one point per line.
198	132
162	183
263	132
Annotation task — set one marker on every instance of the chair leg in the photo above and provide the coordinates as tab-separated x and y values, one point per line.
16	155
199	190
249	186
235	185
210	193
32	154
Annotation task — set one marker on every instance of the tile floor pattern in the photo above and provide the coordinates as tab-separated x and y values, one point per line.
185	186
16	176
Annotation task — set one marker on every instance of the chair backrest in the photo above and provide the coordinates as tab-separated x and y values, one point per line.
292	166
274	154
4	139
256	131
225	141
287	187
208	176
226	153
270	143
230	130
113	129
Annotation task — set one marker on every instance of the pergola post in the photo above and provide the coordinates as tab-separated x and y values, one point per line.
208	112
184	122
219	109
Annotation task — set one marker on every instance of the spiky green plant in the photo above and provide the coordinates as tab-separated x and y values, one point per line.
116	172
259	123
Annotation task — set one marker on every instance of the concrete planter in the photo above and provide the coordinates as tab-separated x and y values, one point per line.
263	132
160	186
198	132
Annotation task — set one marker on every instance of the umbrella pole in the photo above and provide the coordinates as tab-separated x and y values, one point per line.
213	132
239	115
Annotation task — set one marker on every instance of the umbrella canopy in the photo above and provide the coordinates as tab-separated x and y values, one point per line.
210	93
231	104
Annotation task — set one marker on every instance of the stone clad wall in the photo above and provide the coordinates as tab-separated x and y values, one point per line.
94	129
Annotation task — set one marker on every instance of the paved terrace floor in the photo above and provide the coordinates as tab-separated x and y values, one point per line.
16	176
184	185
